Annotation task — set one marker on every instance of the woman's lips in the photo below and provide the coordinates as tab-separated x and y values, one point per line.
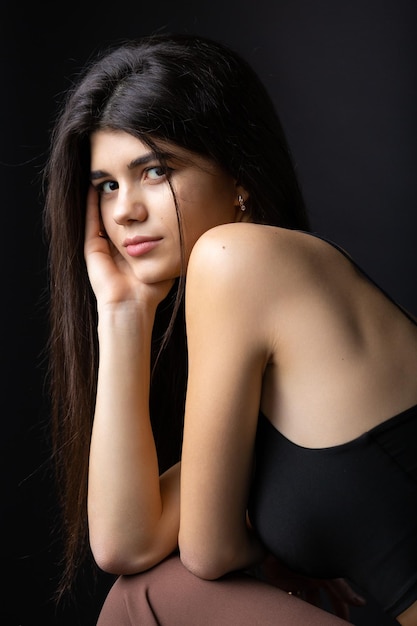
137	246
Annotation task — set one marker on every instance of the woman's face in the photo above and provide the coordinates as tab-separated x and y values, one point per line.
137	205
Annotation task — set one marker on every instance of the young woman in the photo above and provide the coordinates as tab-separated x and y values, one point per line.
206	347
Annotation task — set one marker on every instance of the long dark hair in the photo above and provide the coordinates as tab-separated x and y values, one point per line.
202	96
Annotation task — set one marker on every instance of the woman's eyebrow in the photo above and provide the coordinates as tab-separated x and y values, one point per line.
142	160
153	156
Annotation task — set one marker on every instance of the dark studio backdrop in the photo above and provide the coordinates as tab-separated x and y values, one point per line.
343	77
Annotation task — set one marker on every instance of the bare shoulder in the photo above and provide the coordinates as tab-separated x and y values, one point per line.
263	254
261	283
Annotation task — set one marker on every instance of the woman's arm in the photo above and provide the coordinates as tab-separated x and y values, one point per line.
133	519
228	351
133	514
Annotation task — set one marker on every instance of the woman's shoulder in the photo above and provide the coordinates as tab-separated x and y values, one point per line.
263	276
280	239
260	250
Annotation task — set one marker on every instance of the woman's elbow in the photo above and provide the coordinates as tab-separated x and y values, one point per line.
113	559
124	558
202	563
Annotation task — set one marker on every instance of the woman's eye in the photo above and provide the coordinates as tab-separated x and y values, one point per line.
108	186
156	172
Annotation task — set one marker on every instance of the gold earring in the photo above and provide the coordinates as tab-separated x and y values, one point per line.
241	203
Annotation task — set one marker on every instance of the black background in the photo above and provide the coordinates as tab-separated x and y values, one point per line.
343	77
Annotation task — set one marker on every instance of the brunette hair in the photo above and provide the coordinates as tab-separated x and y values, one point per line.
197	94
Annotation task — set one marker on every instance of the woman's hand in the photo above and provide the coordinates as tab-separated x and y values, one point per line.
112	278
340	593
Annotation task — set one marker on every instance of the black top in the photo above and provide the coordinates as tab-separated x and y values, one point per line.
345	511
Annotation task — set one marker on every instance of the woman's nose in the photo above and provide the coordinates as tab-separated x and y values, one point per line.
130	207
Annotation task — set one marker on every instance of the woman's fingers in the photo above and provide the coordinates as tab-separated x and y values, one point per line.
94	230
